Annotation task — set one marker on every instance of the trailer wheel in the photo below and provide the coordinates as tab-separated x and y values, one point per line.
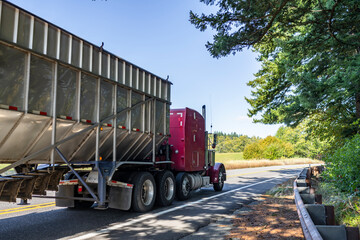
219	185
144	192
183	186
165	184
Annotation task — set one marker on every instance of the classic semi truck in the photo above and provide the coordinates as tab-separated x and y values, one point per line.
95	128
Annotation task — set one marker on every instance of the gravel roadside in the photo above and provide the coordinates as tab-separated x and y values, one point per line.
272	216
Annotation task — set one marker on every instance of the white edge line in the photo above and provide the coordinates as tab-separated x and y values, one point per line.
149	216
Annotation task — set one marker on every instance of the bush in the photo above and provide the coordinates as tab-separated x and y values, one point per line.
347	206
304	143
274	151
253	151
342	167
269	148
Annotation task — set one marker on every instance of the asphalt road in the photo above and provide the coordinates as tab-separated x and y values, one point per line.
42	220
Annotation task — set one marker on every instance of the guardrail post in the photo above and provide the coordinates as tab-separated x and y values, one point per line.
330	216
352	233
318	198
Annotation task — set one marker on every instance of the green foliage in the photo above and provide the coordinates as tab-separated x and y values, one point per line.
273	151
310	55
233	142
347	205
343	167
304	143
253	151
269	148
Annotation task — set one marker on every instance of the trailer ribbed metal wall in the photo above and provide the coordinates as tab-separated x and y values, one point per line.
103	107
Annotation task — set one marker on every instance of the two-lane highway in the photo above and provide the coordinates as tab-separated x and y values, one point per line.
42	220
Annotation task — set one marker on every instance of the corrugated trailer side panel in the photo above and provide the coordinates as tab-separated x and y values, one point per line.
100	102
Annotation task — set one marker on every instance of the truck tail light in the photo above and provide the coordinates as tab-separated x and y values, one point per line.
80	189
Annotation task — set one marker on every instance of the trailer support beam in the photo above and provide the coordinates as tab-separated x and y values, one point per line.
77	175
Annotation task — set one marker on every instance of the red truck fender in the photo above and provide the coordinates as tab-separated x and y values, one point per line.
213	172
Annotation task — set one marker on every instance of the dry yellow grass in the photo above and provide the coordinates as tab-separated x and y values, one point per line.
236	164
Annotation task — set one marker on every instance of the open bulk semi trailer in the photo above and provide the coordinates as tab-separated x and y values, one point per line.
78	120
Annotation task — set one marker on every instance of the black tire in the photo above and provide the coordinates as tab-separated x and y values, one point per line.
183	186
144	192
220	185
165	188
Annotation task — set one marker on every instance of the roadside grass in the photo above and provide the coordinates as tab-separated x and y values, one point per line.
282	190
347	206
220	157
236	161
3	165
8	172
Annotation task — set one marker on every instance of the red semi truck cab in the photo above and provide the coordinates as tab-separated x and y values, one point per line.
187	138
193	163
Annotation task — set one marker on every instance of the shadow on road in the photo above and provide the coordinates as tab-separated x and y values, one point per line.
203	209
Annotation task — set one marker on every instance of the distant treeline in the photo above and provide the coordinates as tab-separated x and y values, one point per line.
288	142
233	142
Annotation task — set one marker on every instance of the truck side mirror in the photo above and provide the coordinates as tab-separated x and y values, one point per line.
215	141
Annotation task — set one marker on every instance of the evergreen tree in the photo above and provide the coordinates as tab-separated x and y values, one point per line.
310	54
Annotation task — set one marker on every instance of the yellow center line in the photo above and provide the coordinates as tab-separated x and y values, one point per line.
26	208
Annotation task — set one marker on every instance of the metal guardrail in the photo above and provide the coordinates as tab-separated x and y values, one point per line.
309	229
317	220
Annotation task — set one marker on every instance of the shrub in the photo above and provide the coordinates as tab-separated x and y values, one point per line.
253	151
347	205
274	151
342	167
269	148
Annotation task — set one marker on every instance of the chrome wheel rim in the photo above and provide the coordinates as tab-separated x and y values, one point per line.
185	187
169	188
147	192
221	179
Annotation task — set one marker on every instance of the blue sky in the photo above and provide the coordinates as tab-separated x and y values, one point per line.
157	35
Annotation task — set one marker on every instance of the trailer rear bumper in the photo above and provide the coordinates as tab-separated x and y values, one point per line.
120	194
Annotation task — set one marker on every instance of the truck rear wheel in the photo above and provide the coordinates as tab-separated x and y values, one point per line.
165	183
183	186
219	185
144	192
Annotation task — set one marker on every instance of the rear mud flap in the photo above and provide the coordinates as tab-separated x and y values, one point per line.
120	198
65	191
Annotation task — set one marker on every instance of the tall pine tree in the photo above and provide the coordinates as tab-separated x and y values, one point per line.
310	54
